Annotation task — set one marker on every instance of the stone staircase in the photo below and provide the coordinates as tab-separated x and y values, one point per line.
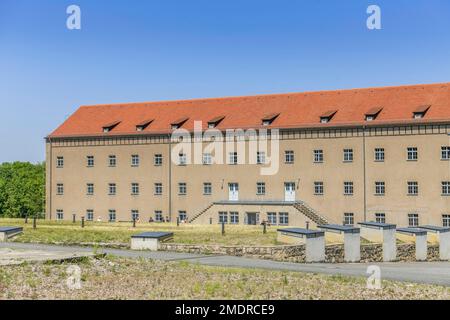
200	213
310	212
299	205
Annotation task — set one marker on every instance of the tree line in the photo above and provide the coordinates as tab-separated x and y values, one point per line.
22	189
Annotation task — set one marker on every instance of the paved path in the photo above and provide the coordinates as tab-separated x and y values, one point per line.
420	272
10	256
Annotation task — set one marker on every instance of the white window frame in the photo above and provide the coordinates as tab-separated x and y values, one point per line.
112	189
283	218
412	153
445	153
206	158
379	154
318	188
289	156
260	188
158	188
380	217
135	160
260	157
272	218
207	188
233	158
89	215
135	189
445	188
446	220
90	189
413	188
234	217
112	160
318	156
158	215
413	220
112	215
60	162
349	218
60	189
348	188
90	160
158	160
59	214
348	155
182	188
380	188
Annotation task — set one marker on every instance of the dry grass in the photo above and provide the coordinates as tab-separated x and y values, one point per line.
120	232
120	278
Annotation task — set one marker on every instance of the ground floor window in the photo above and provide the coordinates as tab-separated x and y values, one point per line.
112	216
234	217
158	216
349	219
90	215
223	217
446	220
182	216
380	217
284	218
413	220
59	214
134	215
272	218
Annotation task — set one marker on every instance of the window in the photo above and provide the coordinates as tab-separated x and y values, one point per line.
412	154
272	218
182	216
260	157
158	188
59	162
349	219
446	220
348	155
318	156
233	157
380	188
260	188
348	188
112	160
182	188
380	217
90	161
289	156
158	216
112	189
90	189
59	189
445	153
207	188
223	217
207	158
135	160
112	215
158	160
90	215
284	218
59	214
413	220
182	159
234	217
134	215
446	188
135	189
413	188
379	154
318	188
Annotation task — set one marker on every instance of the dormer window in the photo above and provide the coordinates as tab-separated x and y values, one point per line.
215	121
268	119
373	113
143	125
110	126
420	112
178	123
327	116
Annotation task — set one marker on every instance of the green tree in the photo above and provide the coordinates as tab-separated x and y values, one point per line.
22	189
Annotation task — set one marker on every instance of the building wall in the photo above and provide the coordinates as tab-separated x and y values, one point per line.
429	171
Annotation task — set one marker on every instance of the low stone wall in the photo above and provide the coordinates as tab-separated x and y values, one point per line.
296	253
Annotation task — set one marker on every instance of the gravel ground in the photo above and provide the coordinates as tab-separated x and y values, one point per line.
122	278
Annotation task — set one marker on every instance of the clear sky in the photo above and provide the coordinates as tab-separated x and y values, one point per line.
135	50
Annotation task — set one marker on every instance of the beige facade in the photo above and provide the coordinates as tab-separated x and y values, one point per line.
431	171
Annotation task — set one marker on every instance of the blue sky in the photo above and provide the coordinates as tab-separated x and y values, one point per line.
159	50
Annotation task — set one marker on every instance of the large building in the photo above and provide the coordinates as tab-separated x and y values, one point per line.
375	154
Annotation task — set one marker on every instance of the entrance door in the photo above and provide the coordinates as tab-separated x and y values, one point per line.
289	191
252	218
233	191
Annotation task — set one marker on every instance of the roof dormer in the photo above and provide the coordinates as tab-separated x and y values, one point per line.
144	124
268	119
372	113
327	116
110	126
215	121
420	112
178	123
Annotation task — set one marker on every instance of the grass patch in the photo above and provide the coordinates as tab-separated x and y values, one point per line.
66	232
121	278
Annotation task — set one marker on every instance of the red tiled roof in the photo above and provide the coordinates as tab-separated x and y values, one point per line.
294	109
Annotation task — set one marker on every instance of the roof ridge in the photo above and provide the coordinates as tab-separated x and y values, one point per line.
193	100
